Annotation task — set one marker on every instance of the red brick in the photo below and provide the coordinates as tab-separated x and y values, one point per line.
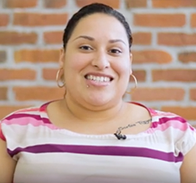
38	93
158	94
136	3
4	19
54	4
39	19
3	56
139	74
7	109
3	93
176	39
16	38
36	56
49	74
187	57
193	94
193	20
159	20
151	56
53	37
14	74
142	38
186	112
181	75
173	3
20	3
113	3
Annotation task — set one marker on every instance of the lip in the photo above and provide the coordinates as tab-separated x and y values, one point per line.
98	84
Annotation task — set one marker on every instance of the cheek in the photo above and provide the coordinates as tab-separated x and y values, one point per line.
76	61
123	68
74	66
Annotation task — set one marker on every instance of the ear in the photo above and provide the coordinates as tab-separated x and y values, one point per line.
131	58
61	58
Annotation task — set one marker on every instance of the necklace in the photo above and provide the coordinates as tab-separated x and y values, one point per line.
119	130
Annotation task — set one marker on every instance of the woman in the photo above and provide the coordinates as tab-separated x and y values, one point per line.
92	135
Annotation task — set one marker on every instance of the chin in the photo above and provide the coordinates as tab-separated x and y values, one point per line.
101	101
98	101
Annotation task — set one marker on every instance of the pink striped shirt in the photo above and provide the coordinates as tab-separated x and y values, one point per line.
48	154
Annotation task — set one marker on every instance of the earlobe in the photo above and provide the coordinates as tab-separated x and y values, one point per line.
131	58
61	57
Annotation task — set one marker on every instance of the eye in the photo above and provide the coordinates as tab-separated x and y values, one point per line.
116	51
85	47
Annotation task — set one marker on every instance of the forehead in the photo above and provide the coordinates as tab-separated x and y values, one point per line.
100	24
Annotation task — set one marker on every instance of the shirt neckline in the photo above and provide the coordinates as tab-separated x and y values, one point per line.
45	118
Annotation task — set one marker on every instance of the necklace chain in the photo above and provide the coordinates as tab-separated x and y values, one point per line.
119	130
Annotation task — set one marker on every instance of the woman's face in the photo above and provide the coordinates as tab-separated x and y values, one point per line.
97	61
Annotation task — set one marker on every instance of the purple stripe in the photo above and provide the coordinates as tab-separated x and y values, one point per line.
164	120
100	150
24	115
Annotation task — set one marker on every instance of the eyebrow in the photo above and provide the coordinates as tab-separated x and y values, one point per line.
92	39
117	40
85	37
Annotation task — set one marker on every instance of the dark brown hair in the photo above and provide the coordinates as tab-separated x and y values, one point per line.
91	9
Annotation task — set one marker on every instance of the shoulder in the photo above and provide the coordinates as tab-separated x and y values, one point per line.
164	117
171	120
159	113
22	118
177	128
162	120
24	114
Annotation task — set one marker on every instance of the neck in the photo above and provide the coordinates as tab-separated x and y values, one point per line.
94	113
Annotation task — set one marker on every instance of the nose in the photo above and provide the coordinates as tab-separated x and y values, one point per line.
101	60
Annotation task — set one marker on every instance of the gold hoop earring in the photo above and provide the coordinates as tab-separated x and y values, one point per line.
135	81
59	79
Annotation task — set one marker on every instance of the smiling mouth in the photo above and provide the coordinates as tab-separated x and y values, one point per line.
99	78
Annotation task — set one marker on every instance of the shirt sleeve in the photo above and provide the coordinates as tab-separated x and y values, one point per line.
187	140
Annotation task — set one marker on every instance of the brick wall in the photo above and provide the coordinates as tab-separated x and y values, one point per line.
164	51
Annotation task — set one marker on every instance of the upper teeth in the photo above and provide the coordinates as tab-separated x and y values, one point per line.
98	78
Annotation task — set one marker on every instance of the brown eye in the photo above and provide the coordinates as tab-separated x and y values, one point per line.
85	47
115	51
